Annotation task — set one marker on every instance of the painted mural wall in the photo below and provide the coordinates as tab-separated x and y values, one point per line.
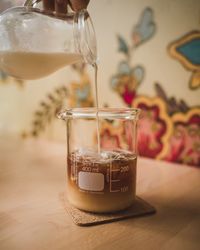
149	57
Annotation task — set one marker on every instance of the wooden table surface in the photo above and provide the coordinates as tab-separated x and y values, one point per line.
32	216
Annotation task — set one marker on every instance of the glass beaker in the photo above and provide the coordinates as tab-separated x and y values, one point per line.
34	43
105	180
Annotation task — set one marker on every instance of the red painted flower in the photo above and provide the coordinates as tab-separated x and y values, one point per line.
126	86
126	81
153	127
185	141
128	95
109	141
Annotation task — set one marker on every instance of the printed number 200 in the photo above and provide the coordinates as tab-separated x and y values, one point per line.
124	169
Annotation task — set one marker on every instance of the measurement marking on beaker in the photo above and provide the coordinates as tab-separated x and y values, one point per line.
111	180
115	191
115	170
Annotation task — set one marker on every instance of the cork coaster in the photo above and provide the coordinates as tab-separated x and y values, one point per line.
81	218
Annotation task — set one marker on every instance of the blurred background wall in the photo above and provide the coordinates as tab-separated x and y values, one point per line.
149	57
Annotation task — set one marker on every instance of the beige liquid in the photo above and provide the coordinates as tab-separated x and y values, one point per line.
118	185
35	65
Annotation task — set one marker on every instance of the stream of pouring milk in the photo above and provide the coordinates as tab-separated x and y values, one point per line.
35	65
97	107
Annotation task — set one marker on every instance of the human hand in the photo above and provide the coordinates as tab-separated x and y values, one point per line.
60	6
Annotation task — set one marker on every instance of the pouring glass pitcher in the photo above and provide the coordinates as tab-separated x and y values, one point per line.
35	43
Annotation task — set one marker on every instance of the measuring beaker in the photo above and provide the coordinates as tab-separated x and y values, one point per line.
101	180
34	42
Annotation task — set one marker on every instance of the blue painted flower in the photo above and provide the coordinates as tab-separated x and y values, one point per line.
126	81
187	51
145	28
191	51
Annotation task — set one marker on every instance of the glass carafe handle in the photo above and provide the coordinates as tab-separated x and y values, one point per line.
31	3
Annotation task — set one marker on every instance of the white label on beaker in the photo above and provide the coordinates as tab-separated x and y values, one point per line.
91	181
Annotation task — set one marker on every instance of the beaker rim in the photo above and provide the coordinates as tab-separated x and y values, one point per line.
105	113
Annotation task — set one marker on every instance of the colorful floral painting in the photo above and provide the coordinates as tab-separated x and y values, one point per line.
169	128
128	78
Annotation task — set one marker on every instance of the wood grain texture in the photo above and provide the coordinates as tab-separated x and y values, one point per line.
32	216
